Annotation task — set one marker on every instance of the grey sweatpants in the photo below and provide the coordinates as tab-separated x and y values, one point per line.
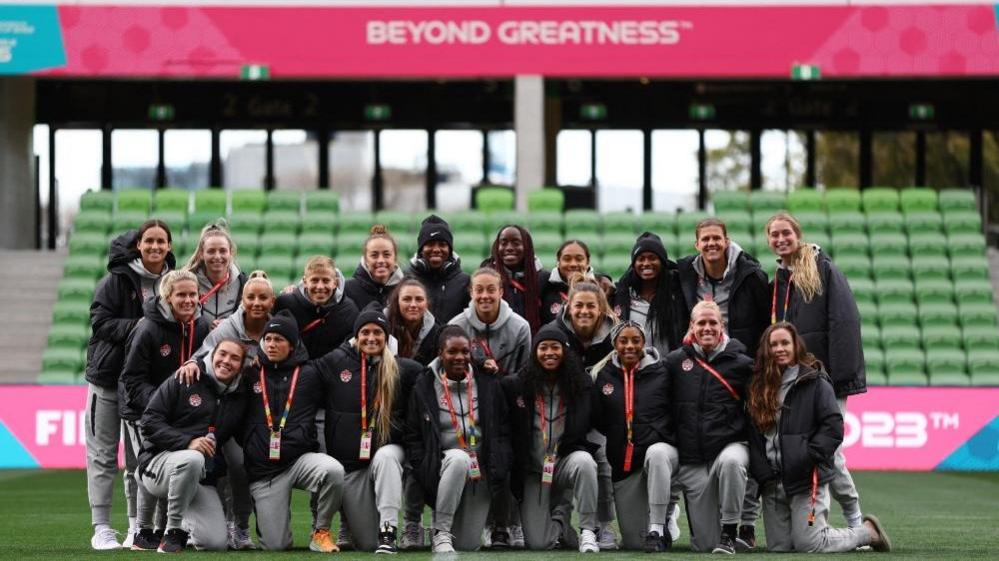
462	504
193	507
313	472
712	488
842	487
786	522
415	501
605	489
103	432
234	489
372	496
750	503
644	496
150	511
545	515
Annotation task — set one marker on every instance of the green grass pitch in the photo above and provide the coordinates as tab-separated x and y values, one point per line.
44	515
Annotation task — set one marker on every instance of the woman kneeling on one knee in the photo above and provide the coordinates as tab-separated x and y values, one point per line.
631	408
185	427
549	403
795	430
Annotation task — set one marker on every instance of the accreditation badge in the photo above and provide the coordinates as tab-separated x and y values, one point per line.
548	470
365	445
474	472
274	448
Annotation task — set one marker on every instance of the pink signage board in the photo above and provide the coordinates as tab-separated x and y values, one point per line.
764	41
917	429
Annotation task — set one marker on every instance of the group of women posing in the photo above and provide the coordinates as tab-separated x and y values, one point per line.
504	399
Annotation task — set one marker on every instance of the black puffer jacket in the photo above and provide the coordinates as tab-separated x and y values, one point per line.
706	415
341	374
423	434
748	313
157	348
829	326
116	308
652	422
178	413
335	318
554	294
522	409
363	290
447	287
299	434
600	347
622	302
810	430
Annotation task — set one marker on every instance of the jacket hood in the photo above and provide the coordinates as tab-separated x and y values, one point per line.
651	357
123	250
299	355
222	388
505	312
732	253
362	274
728	346
154	309
451	267
555	277
335	299
207	283
603	330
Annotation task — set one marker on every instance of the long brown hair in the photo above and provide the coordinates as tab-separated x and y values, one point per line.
764	389
807	280
532	292
217	229
397	325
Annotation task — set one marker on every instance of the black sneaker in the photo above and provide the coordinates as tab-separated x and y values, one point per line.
500	539
386	540
725	545
654	543
746	540
146	540
174	541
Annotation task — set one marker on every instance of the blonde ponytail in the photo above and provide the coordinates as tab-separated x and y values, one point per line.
804	261
388	383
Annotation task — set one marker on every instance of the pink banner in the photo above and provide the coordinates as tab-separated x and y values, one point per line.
729	41
917	429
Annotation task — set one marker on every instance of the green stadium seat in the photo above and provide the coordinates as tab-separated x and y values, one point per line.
139	199
283	221
855	244
984	368
847	223
934	291
767	201
917	199
938	313
979	338
68	335
246	222
615	265
316	244
248	201
884	222
769	266
356	222
548	199
497	220
976	315
930	267
406	247
940	337
969	267
583	224
494	199
929	245
855	266
215	201
468	220
947	367
58	378
813	223
876	378
84	266
821	239
176	220
879	199
74	311
889	244
842	200
301	260
805	200
874	361
622	223
474	241
400	223
730	201
100	200
320	222
738	224
894	291
284	201
282	244
686	223
172	199
62	359
76	289
350	243
962	222
93	221
957	199
973	291
84	243
863	288
870	333
323	200
247	244
905	367
676	247
128	220
658	222
760	249
472	261
890	267
618	244
546	244
545	221
201	218
277	266
923	222
896	314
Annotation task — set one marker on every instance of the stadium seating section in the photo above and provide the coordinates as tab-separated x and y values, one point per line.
915	258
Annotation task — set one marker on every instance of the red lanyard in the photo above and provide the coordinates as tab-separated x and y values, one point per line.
218	286
364	392
814	495
709	296
287	405
518	285
540	404
454	415
787	299
312	325
565	297
186	352
629	397
719	377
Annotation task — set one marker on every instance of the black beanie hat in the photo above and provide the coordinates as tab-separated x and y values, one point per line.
649	242
549	332
435	228
284	324
372	313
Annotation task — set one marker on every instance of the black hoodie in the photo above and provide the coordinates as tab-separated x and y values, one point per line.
629	281
447	286
116	308
331	323
157	348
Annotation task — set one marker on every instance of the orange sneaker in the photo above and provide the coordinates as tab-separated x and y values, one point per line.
322	541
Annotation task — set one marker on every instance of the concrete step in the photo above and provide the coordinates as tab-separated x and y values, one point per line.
28	283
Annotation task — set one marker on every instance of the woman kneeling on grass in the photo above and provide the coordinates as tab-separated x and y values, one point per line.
795	430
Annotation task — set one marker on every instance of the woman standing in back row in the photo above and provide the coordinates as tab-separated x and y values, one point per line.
220	282
378	272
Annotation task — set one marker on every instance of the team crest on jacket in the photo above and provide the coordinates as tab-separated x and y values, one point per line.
256	387
608	389
556	308
194	400
520	402
687	365
617	310
165	350
345	376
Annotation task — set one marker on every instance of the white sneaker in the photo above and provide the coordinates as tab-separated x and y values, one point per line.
606	538
239	538
412	536
516	536
673	528
105	539
443	542
588	542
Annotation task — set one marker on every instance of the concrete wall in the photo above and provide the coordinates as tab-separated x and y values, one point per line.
17	169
